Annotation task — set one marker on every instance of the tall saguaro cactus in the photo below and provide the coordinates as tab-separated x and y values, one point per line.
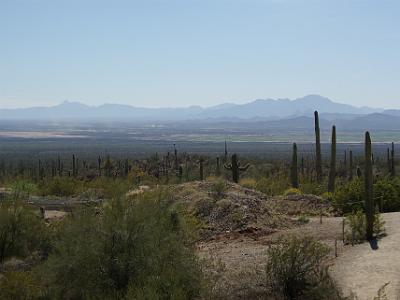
73	165
226	152
351	168
318	157
201	169
218	168
392	162
294	177
332	169
235	167
369	200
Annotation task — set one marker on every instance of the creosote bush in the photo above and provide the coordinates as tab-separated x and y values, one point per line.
292	191
137	249
295	269
22	231
249	183
355	224
218	187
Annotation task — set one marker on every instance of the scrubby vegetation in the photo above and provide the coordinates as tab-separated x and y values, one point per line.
130	227
295	269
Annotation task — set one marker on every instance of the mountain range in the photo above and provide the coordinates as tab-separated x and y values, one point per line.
261	109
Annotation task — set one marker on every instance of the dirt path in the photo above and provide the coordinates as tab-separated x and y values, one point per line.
362	270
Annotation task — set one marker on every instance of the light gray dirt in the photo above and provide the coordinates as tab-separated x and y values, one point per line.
363	271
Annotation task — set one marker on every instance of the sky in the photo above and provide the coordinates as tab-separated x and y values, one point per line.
198	52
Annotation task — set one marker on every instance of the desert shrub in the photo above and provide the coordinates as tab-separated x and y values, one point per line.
19	285
303	220
355	224
386	194
249	183
272	186
350	196
218	188
328	196
111	188
21	230
224	204
23	189
60	186
295	269
292	191
238	217
140	249
204	206
312	188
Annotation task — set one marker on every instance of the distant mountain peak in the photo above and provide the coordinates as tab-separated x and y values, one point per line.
257	109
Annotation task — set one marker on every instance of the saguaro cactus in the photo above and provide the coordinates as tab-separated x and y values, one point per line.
73	165
351	168
318	157
218	168
392	162
226	152
332	169
59	165
235	167
201	168
176	163
369	200
293	170
99	165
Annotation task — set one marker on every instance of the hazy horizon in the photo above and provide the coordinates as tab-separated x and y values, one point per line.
183	53
185	106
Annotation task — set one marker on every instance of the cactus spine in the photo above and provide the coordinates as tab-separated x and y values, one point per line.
293	170
369	200
318	158
332	169
235	167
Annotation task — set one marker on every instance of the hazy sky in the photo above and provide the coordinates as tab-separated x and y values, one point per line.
204	52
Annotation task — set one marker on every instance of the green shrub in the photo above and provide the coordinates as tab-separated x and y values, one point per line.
386	194
21	230
19	285
23	189
218	188
328	196
303	220
272	186
355	224
249	183
60	186
350	196
295	269
314	188
111	188
139	248
292	191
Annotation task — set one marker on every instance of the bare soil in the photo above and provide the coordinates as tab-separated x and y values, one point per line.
361	270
